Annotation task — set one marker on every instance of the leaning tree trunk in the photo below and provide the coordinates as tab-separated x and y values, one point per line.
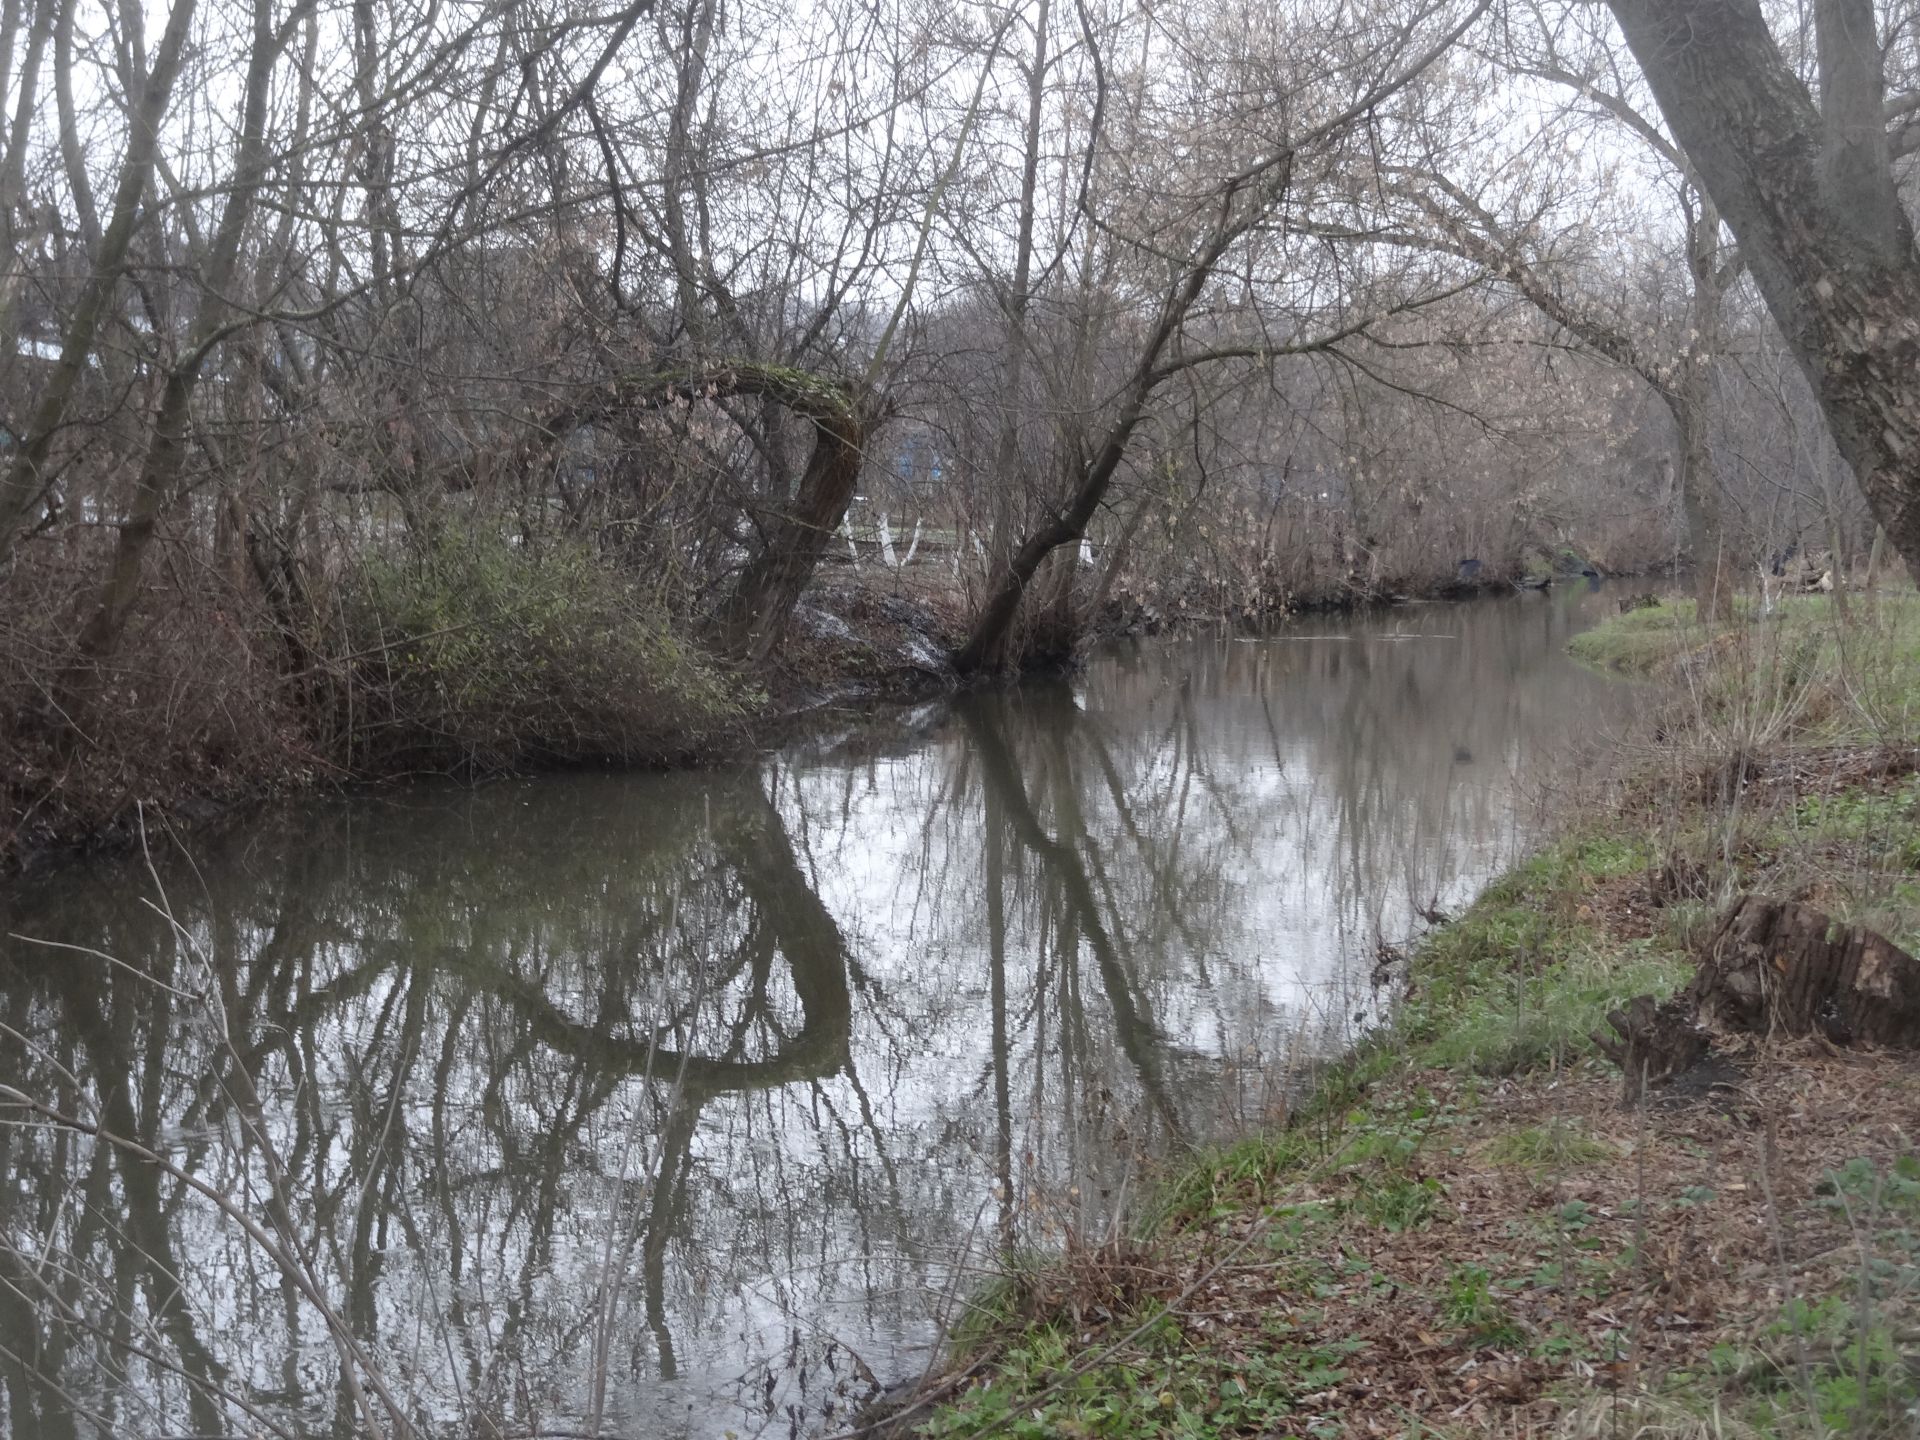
987	645
986	648
845	416
1811	198
756	613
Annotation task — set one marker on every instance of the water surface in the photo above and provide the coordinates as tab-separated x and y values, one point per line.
653	1105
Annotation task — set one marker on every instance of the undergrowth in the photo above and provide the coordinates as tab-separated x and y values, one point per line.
479	655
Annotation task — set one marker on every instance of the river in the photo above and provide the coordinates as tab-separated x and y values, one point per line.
681	1104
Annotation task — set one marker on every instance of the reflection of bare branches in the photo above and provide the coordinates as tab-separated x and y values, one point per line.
1132	1028
370	1201
995	954
162	1274
1166	896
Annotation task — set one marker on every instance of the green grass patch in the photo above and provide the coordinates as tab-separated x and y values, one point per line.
1166	1381
1524	977
1802	668
1881	826
1639	642
1551	1148
1472	1306
1839	1363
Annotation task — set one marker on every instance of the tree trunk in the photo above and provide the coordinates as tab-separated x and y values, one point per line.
1691	395
20	221
1875	554
845	416
1775	965
159	481
1700	500
1018	303
24	484
757	611
1812	202
986	647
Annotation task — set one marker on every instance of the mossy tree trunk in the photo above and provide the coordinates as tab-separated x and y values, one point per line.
844	416
756	613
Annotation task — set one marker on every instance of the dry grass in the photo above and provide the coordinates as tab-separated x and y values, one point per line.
188	717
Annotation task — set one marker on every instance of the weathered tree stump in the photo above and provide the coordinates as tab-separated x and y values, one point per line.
1779	966
1654	1042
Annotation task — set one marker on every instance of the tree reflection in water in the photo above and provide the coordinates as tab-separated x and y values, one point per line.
661	1104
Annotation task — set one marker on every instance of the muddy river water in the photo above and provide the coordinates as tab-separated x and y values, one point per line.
687	1104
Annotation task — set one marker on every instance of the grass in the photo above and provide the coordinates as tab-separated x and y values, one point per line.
1462	1231
1802	665
1471	1306
1556	1146
1167	1384
1639	642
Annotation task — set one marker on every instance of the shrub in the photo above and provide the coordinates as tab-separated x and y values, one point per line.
478	655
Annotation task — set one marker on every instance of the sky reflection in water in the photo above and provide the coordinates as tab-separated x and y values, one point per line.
679	1103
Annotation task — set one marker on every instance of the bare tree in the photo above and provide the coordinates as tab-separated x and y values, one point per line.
1235	208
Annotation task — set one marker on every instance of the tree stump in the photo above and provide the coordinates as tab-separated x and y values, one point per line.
1777	965
1654	1042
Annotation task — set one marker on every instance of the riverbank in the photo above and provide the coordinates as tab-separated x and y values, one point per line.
523	683
1465	1231
476	663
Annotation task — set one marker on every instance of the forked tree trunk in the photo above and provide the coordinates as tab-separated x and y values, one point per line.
161	475
1810	197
